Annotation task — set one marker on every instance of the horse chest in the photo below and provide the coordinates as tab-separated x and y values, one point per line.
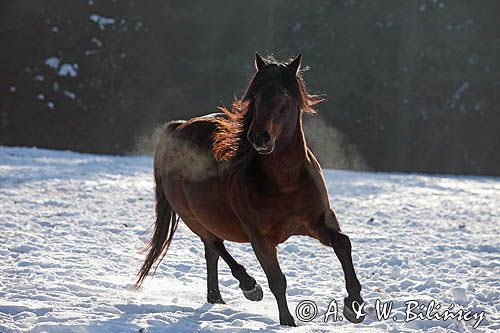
281	213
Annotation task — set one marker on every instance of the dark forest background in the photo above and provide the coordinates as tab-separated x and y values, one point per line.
411	85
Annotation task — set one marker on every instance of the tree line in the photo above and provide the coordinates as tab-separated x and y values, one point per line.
410	85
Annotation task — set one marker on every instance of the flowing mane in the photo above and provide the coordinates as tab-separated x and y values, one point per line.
230	138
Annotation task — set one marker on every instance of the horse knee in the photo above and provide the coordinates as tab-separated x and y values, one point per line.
330	220
277	284
326	228
341	241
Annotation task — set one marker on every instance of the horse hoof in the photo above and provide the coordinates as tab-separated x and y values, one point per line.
354	316
214	297
255	294
216	301
288	322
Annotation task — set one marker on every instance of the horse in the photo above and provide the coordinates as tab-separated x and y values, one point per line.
246	174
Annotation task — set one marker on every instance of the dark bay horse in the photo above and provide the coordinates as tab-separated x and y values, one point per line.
247	175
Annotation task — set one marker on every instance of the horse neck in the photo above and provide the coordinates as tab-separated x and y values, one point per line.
285	165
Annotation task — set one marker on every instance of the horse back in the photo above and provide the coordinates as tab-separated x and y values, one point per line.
184	148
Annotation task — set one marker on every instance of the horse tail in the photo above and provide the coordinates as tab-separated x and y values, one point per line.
165	225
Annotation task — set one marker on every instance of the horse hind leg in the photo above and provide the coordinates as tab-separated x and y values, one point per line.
250	288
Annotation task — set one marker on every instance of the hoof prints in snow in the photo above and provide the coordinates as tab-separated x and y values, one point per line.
72	227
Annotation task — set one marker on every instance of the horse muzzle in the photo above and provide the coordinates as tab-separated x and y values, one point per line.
264	150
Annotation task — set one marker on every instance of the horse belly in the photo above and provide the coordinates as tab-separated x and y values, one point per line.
204	205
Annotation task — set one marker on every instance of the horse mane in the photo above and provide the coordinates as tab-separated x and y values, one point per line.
230	143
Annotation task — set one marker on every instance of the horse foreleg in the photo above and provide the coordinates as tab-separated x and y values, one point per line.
342	246
267	256
328	232
248	285
213	293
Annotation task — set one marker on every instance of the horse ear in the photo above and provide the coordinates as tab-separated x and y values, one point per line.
294	66
259	62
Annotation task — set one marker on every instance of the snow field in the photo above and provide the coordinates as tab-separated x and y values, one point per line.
72	226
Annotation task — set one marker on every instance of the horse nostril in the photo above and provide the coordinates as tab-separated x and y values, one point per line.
266	136
251	136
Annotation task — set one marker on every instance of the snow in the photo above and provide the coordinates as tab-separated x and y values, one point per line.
458	93
72	226
68	70
65	69
96	41
52	62
70	94
102	21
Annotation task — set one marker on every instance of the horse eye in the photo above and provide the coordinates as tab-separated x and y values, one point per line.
286	94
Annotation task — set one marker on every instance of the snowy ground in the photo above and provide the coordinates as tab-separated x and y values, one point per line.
71	226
